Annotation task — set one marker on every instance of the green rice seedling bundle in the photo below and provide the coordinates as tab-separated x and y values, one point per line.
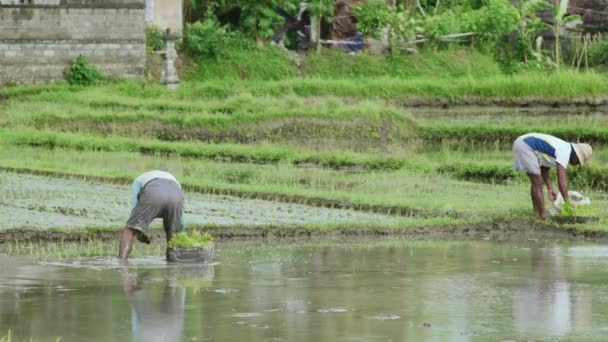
194	239
582	210
190	248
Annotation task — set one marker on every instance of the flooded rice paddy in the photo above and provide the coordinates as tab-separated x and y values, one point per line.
31	201
372	290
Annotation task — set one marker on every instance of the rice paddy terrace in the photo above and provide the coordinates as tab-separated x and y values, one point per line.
361	148
304	158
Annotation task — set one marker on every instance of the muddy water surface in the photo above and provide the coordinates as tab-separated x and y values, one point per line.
382	290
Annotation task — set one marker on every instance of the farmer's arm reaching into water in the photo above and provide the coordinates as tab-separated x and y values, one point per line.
561	181
126	243
547	180
126	238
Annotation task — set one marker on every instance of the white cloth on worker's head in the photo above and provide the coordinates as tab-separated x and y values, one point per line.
583	152
549	149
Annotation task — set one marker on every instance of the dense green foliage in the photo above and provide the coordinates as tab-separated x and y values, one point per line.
598	51
154	40
208	38
506	29
256	18
81	73
194	239
372	16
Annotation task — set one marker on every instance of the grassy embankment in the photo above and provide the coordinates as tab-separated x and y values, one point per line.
334	142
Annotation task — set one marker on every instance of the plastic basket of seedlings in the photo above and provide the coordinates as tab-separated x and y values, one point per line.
582	213
190	248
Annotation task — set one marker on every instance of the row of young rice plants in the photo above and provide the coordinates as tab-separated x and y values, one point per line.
285	122
455	165
405	190
74	250
488	134
237	112
235	107
258	154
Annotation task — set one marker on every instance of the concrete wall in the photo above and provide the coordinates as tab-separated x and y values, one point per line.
165	14
39	38
593	12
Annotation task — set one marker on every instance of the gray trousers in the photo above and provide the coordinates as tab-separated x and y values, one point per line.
160	198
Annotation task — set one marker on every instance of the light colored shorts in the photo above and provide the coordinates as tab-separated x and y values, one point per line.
524	158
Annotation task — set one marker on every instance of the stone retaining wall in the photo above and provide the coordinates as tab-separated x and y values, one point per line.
39	39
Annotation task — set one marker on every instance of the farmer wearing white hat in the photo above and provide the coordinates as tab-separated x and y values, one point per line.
536	153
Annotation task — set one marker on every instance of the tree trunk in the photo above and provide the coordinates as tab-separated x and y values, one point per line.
556	33
319	33
258	39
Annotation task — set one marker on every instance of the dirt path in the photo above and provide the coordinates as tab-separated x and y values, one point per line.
499	230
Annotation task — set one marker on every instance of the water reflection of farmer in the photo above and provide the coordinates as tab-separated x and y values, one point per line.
155	194
536	153
543	304
150	321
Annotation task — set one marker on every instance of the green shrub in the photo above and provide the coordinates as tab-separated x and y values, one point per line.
211	39
154	41
442	24
372	17
263	63
195	239
81	73
490	22
598	52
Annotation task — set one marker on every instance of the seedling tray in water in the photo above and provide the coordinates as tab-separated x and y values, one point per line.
190	254
575	219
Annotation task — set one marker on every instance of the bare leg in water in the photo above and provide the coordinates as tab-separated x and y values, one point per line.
536	192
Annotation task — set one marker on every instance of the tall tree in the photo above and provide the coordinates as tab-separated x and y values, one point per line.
560	19
258	17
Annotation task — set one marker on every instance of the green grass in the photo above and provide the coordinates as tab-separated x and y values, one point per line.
266	63
334	64
560	84
564	84
271	63
10	337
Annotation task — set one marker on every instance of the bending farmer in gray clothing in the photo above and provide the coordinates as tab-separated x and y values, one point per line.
536	153
155	194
